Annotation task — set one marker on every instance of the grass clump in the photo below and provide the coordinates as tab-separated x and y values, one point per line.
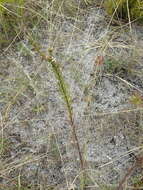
114	66
4	146
68	8
125	9
137	182
16	18
11	13
136	99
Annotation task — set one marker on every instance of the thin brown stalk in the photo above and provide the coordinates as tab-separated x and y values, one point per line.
138	163
74	134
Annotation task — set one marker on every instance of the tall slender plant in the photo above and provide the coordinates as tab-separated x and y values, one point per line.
65	94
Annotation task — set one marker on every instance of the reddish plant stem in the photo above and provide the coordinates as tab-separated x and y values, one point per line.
74	134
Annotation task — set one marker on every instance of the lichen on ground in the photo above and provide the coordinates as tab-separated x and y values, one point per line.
37	146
